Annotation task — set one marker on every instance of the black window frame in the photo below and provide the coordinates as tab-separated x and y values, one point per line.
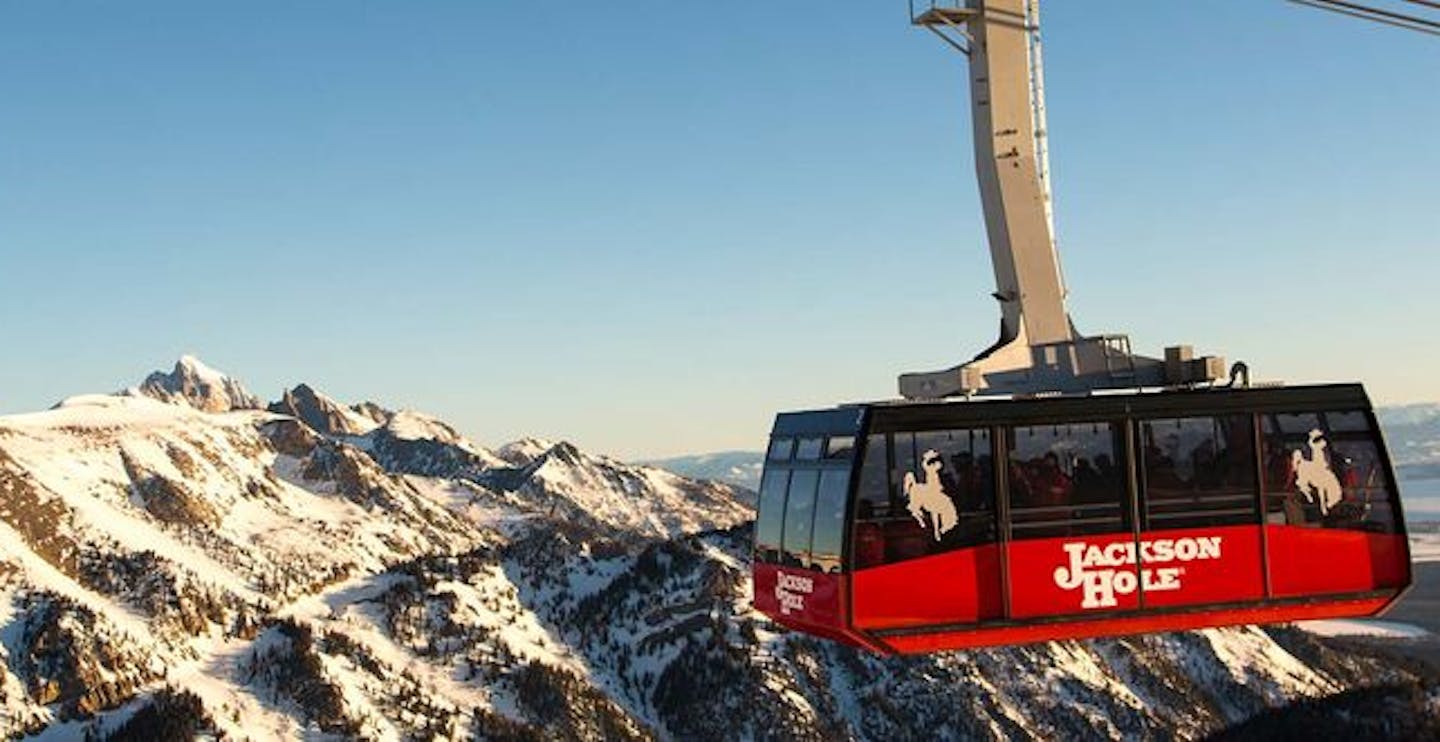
1211	510
1084	519
1282	506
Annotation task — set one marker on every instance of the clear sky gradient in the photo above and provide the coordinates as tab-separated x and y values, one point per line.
647	226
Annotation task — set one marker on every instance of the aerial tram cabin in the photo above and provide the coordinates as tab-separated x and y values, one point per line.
1058	485
916	527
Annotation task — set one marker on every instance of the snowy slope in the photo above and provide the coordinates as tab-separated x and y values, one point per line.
524	451
740	468
567	482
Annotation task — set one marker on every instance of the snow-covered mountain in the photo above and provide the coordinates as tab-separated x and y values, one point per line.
324	414
1413	435
604	493
285	574
524	451
740	468
192	382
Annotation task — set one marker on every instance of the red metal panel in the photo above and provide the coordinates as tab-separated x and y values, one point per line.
920	643
1171	579
1081	574
955	587
1316	561
796	596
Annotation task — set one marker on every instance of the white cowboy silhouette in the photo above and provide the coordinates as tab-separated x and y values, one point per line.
1313	475
928	502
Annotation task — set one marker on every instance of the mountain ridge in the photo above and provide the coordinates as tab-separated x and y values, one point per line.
245	572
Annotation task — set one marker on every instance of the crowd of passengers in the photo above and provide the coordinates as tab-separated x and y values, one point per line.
1041	481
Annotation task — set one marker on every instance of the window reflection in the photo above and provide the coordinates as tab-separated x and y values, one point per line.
780	449
771	518
799	518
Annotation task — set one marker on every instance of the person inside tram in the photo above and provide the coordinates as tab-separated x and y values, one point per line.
1109	475
1087	481
1054	486
1205	464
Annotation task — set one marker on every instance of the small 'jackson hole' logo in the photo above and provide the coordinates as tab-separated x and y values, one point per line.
1099	571
790	592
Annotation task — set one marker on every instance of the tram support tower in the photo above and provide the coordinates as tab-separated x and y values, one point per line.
1039	350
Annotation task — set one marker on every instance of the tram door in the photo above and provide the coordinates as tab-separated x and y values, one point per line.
1199	510
1071	548
925	546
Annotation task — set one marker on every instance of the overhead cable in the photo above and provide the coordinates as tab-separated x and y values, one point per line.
1378	15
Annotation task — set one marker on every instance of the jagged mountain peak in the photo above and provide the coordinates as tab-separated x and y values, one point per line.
192	382
524	451
412	425
373	411
323	413
610	494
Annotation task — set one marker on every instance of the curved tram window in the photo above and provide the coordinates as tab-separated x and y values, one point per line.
1199	472
1067	480
1324	469
829	532
802	503
799	517
771	518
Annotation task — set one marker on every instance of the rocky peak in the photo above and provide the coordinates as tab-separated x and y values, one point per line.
525	451
373	411
321	413
193	383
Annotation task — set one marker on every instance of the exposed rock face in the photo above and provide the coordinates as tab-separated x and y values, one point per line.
321	413
568	483
291	437
168	500
412	443
193	383
71	658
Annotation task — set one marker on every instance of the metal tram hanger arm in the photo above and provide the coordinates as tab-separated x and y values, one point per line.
1039	351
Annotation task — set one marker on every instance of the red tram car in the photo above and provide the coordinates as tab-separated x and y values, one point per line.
917	527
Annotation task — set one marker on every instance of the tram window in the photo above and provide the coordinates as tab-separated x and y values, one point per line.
902	450
780	449
967	476
1324	470
840	447
1199	472
1067	480
1347	422
872	505
772	515
807	449
829	530
951	482
799	518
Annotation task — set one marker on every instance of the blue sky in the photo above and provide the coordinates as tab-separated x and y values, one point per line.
647	226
